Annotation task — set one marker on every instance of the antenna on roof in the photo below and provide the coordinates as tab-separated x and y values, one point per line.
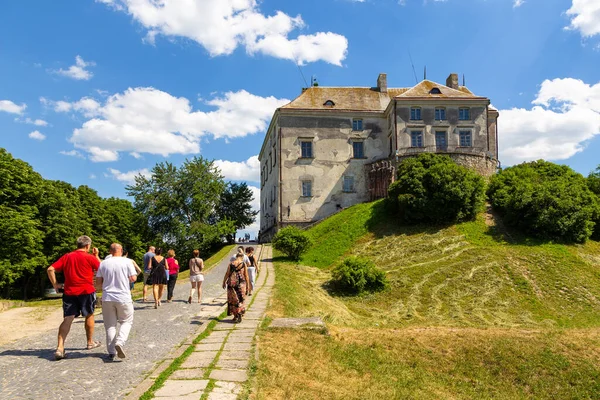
313	81
425	73
413	66
464	80
299	69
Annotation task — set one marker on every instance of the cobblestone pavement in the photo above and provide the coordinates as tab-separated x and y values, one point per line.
218	366
28	369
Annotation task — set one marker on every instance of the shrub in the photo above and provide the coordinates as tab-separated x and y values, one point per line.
433	188
355	275
593	181
292	242
546	200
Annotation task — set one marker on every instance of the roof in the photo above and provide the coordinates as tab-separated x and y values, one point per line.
370	99
423	90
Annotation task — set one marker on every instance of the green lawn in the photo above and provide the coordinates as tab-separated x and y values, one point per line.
472	311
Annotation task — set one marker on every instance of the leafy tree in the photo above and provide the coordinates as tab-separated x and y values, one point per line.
593	182
180	204
235	206
292	241
433	188
546	200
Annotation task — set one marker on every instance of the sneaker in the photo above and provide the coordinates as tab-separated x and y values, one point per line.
119	349
111	357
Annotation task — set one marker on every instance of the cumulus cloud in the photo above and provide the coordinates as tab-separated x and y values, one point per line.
12	108
37	135
71	153
129	176
78	71
221	26
248	170
36	122
565	115
147	120
585	17
518	3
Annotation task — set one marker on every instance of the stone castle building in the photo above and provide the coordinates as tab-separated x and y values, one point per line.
333	147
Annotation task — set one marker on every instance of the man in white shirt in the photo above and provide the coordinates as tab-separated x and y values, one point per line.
114	276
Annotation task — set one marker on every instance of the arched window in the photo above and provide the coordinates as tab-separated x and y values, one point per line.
435	91
329	103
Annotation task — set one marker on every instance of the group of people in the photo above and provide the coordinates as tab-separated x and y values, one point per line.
240	280
115	276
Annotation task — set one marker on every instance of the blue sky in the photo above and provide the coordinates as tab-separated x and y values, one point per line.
93	92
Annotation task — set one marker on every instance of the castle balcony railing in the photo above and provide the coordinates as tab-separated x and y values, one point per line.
411	151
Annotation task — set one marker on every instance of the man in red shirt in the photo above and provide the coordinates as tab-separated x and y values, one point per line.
79	297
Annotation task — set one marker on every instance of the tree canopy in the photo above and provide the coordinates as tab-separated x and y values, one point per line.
235	205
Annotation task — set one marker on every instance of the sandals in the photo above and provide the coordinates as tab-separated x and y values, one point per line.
93	345
59	355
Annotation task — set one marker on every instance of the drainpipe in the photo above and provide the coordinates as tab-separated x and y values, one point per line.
280	182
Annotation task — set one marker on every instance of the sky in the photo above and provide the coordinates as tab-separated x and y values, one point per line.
94	92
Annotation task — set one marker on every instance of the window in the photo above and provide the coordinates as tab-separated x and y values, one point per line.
416	139
357	124
440	140
274	158
465	138
415	114
329	103
270	162
440	114
391	146
348	184
307	150
435	91
464	114
306	189
358	149
262	175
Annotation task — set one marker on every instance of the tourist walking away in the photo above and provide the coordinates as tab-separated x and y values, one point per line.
173	265
252	269
240	250
147	268
79	297
114	277
235	280
196	265
138	270
158	277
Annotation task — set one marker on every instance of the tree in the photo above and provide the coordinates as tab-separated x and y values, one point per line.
235	205
593	181
433	188
545	200
180	204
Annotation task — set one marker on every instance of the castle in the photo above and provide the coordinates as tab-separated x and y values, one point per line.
333	147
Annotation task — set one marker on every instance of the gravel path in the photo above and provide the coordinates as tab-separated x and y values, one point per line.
28	369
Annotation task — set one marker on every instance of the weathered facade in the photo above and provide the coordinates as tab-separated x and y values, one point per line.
331	148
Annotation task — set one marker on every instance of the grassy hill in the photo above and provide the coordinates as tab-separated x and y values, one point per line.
472	311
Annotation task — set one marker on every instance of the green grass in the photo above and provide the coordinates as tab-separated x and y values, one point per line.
472	311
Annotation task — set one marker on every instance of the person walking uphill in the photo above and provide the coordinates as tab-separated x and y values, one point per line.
173	265
79	296
196	265
114	277
158	277
147	269
235	280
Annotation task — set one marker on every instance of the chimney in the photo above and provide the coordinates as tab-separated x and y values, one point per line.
382	83
452	81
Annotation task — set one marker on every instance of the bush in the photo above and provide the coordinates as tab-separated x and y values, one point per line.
546	200
433	188
355	275
292	242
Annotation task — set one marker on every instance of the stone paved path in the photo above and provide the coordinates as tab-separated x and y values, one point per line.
28	369
218	366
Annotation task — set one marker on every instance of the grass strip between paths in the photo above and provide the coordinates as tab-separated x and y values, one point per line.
159	382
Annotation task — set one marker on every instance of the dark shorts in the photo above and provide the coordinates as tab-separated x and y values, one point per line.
83	304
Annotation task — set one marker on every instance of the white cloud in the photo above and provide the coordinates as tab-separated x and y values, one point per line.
128	177
518	3
71	153
221	26
78	71
585	17
29	121
248	170
10	107
147	120
92	176
566	114
37	135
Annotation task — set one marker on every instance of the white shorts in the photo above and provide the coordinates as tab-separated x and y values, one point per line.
197	278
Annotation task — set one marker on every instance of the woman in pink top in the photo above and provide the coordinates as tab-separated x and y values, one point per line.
173	271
